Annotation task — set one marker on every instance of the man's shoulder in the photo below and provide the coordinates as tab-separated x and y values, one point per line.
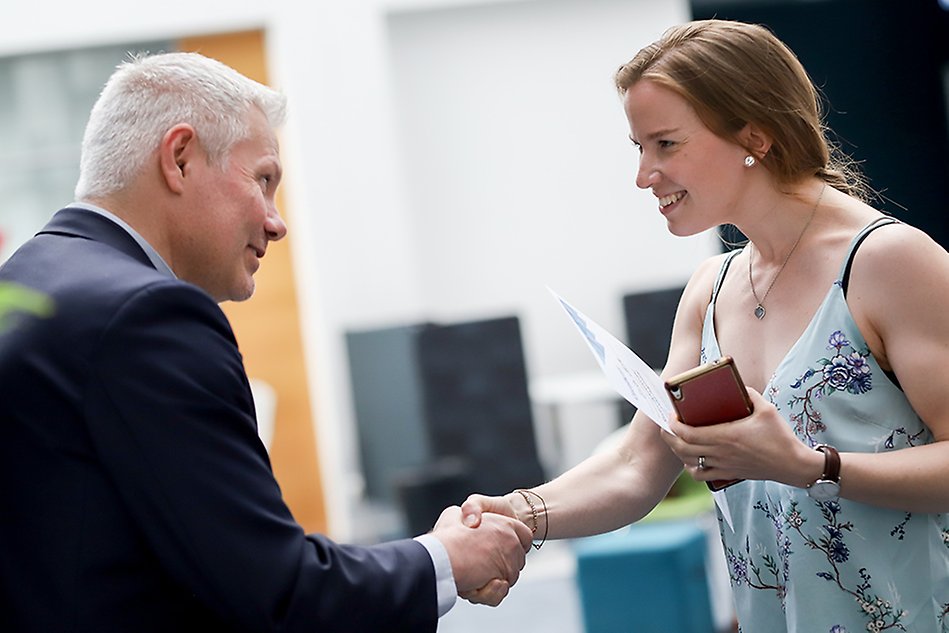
90	284
68	266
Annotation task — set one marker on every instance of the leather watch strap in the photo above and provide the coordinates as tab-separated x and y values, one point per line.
831	462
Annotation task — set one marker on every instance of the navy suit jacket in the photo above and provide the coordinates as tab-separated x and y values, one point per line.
136	495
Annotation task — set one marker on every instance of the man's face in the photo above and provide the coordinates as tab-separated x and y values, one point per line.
225	227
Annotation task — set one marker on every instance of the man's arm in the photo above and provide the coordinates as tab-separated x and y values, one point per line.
171	417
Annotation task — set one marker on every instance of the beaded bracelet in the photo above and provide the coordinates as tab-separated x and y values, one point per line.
530	503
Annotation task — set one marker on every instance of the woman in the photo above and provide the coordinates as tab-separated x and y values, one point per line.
836	318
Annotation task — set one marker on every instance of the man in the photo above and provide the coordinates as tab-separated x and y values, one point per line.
136	494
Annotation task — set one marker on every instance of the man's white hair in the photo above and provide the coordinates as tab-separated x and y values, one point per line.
148	95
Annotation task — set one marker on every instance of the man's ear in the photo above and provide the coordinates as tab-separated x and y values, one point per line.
755	140
179	146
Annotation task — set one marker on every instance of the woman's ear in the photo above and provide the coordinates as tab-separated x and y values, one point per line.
177	149
755	140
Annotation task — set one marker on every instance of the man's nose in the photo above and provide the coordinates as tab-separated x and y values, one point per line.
275	226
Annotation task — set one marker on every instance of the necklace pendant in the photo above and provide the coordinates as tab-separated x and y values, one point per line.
760	311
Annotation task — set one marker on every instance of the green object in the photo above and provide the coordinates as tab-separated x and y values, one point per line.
16	298
687	498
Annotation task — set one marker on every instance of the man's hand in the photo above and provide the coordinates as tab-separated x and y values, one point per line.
485	560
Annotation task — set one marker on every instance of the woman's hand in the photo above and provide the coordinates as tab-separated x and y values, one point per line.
475	505
760	446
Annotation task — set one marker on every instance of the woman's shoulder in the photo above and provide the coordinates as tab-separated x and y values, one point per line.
699	290
897	296
880	246
898	275
898	249
707	272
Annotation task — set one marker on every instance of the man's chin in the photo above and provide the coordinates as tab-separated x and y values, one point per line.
244	296
239	294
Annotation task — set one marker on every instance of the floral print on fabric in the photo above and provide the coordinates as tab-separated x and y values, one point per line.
771	573
844	370
798	565
847	370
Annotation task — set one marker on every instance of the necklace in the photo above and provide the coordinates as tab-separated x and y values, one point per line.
759	308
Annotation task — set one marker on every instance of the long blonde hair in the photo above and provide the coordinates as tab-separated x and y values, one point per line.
734	73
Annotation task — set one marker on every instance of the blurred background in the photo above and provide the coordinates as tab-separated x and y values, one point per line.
446	162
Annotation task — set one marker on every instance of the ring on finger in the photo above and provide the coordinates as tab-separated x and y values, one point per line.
701	462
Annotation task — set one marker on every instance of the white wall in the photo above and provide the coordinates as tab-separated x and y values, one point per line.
519	168
445	160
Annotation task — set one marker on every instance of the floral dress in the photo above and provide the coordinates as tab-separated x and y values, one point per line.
803	566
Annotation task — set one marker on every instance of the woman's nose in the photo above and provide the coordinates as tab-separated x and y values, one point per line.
646	175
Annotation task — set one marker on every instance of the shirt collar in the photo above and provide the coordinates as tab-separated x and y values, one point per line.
152	254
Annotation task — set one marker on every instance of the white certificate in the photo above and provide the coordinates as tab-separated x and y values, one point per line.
626	372
632	378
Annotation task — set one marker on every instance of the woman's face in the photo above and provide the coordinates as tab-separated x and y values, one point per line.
696	176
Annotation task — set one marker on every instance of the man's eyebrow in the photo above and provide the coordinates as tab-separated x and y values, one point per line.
273	164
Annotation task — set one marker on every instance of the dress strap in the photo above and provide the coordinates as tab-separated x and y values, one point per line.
721	275
848	265
855	244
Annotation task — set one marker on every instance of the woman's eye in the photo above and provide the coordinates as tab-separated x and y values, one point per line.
666	144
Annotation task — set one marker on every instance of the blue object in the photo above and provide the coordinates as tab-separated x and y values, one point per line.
644	579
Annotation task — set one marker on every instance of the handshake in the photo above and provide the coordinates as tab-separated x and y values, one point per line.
486	544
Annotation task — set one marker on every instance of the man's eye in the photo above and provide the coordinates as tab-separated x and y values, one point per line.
666	144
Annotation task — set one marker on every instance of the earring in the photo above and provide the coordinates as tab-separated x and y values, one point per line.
750	161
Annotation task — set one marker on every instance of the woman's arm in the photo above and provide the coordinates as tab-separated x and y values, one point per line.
621	485
899	295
